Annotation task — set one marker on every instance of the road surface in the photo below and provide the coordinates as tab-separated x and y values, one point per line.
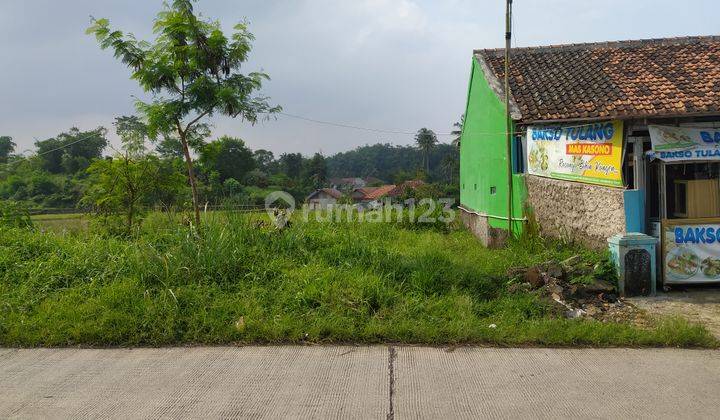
358	382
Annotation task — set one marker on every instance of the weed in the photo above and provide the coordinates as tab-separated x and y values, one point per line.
245	282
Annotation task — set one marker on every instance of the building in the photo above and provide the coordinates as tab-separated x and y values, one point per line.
323	198
608	138
372	196
406	186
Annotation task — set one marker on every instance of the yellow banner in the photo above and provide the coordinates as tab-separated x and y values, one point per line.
590	153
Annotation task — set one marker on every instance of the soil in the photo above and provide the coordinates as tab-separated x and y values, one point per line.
700	305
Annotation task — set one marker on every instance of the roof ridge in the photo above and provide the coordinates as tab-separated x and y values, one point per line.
605	44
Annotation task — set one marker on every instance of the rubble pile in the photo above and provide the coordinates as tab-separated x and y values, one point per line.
575	288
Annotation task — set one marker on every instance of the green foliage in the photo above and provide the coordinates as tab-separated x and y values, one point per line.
264	159
228	156
314	282
315	171
7	146
389	163
291	164
125	186
133	133
72	151
14	215
192	71
426	141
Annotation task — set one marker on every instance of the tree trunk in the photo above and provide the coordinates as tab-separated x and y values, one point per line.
191	176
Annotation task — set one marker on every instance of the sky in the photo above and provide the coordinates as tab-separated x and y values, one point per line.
396	65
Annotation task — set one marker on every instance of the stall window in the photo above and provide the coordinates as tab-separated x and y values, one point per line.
692	190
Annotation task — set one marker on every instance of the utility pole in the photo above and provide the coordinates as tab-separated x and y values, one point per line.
508	118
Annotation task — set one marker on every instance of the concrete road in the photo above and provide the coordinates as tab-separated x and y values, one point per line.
358	382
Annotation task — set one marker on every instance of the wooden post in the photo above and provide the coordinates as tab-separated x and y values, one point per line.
508	118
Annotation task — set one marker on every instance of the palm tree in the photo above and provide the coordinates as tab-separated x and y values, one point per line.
457	132
426	140
449	166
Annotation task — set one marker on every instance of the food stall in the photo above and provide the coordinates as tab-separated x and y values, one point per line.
687	161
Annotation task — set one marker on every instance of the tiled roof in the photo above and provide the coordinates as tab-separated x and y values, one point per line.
625	79
412	184
374	193
379	192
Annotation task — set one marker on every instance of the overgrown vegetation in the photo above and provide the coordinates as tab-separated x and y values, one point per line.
243	281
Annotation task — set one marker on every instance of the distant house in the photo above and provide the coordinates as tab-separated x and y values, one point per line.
371	195
347	183
403	188
323	198
374	195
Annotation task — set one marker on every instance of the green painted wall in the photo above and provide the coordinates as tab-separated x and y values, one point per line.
483	157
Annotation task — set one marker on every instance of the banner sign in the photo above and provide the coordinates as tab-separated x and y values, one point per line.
691	253
589	153
673	144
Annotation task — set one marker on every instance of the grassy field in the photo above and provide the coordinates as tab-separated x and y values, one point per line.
313	282
70	222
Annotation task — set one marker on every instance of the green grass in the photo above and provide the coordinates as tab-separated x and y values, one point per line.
72	222
314	282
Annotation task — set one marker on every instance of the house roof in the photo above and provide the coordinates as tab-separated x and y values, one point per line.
373	193
379	192
411	184
329	191
624	79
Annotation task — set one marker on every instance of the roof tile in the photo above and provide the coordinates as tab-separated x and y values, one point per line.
625	79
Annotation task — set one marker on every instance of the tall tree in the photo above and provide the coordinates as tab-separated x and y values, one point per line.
229	157
291	164
457	131
6	147
71	151
171	147
263	159
316	170
133	134
192	70
426	141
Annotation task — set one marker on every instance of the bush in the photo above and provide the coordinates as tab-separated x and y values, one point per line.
14	215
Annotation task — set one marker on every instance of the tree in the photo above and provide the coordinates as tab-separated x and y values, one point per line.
263	159
229	157
426	141
316	170
71	151
133	134
457	131
192	70
124	184
6	147
171	147
450	166
291	164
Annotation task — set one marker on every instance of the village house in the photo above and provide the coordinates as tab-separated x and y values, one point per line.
375	196
608	139
323	198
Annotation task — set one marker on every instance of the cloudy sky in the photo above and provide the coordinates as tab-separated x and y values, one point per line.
388	64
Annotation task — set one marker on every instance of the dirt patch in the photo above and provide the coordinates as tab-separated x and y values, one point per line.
696	305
